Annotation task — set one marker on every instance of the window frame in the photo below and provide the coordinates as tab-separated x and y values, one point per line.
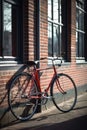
79	32
4	60
63	25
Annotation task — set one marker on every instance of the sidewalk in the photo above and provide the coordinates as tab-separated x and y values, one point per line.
55	120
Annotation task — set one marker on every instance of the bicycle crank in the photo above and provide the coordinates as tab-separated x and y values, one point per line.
44	98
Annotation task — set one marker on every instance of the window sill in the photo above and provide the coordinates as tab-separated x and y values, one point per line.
10	66
9	63
80	61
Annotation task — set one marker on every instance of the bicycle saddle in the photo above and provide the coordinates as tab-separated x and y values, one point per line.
30	63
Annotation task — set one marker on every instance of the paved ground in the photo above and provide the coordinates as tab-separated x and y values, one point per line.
55	120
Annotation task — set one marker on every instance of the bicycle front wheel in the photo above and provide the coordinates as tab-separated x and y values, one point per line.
64	92
21	104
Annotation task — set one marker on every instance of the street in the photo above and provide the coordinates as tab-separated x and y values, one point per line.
55	120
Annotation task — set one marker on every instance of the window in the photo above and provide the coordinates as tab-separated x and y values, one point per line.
80	29
56	21
10	28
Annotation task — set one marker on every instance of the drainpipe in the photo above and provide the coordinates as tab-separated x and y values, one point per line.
38	40
38	31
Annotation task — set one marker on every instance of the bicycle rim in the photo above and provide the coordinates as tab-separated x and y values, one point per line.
21	104
64	93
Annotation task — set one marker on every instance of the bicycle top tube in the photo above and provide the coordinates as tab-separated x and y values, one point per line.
34	71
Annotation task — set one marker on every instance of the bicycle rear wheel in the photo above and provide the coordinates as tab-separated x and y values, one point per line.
20	102
64	92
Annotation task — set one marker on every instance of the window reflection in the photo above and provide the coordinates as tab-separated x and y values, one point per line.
57	40
54	27
55	12
7	44
49	9
80	32
50	39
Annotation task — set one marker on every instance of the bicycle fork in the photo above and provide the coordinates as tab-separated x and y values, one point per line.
59	87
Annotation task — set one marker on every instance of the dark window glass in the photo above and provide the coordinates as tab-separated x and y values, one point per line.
55	27
80	31
11	25
7	25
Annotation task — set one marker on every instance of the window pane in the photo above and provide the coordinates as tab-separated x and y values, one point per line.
77	45
60	13
49	9
81	21
80	28
56	46
54	27
77	18
81	45
7	41
55	11
80	3
57	40
10	29
49	39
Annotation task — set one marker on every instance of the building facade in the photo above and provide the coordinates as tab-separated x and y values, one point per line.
34	29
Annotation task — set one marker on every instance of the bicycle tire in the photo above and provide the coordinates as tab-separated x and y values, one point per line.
19	100
65	95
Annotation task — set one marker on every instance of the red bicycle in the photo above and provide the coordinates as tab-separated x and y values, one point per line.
25	93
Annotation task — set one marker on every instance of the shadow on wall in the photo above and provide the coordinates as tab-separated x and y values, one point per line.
4	111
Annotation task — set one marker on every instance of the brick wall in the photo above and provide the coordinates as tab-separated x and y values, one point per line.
77	71
5	76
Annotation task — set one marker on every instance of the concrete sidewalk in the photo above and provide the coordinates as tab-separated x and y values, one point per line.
55	120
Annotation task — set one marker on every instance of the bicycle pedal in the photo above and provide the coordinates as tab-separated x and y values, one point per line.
24	96
48	97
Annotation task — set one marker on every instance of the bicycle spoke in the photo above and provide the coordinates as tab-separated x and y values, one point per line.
22	105
64	94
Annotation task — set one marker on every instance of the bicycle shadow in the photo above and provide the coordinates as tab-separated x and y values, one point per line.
23	68
20	70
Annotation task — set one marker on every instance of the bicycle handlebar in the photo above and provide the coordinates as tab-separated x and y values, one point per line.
49	58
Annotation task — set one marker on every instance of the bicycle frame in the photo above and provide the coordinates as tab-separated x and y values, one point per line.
25	93
37	78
